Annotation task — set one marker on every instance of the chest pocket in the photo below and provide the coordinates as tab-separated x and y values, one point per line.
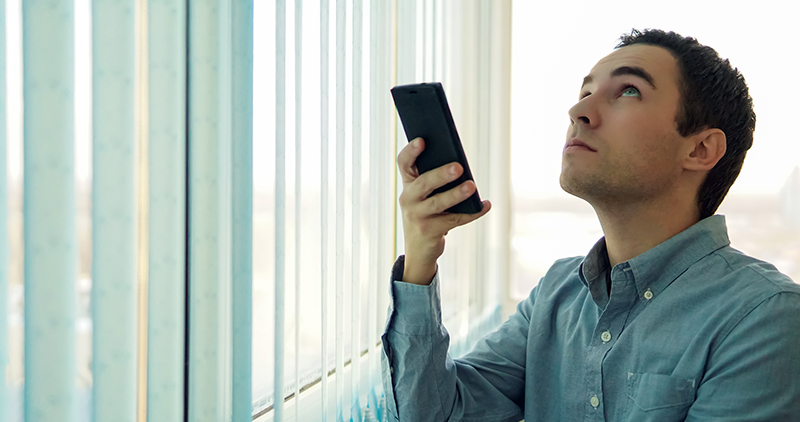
656	397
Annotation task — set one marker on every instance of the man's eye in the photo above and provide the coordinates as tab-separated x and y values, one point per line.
584	95
629	91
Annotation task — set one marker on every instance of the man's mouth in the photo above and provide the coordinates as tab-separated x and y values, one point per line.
576	144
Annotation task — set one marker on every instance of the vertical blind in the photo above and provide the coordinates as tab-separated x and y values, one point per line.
241	228
167	146
114	283
331	227
49	211
168	300
3	218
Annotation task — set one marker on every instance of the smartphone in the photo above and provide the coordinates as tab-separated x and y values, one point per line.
425	114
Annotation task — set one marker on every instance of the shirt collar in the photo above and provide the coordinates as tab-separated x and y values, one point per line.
594	264
661	265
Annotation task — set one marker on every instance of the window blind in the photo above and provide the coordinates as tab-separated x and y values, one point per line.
167	146
114	223
4	359
49	208
178	188
171	210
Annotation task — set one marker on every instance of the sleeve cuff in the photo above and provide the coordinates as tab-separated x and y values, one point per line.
416	309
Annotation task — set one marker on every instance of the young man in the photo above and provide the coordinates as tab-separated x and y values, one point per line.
662	320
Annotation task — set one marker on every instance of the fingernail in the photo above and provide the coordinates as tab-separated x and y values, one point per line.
465	188
415	143
453	170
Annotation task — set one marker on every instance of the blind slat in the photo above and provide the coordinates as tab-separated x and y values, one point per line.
375	272
49	211
298	205
114	288
340	194
280	201
242	210
209	213
3	219
356	274
167	209
324	33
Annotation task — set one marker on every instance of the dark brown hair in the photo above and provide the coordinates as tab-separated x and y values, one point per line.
713	95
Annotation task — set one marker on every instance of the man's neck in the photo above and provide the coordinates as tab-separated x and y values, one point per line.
633	229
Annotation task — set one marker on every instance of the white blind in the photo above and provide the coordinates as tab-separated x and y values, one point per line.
236	250
332	134
134	154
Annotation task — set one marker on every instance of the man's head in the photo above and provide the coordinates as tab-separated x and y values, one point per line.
659	111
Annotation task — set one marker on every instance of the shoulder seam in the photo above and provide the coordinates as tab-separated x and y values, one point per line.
757	273
747	313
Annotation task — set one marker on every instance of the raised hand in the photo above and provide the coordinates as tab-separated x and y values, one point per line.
425	221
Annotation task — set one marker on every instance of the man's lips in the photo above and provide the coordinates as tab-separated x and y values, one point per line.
577	144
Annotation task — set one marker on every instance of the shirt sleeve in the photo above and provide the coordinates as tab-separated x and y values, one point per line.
753	374
421	381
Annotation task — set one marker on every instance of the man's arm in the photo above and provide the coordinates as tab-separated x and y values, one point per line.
422	383
754	373
425	219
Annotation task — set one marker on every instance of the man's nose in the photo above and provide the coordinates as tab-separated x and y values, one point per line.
585	112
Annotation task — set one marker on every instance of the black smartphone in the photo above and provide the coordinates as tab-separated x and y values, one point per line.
425	114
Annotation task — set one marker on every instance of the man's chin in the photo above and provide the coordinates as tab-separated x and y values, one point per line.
576	188
569	185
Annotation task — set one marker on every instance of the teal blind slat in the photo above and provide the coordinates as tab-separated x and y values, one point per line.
209	210
375	134
242	210
324	33
3	219
49	211
356	274
114	288
341	16
280	201
298	197
167	205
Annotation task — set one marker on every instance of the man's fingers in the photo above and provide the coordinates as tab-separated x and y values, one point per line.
487	206
406	158
434	179
445	223
440	202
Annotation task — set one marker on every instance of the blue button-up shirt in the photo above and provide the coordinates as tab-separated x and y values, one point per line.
692	330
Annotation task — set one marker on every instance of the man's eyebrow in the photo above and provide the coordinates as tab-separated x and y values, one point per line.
627	70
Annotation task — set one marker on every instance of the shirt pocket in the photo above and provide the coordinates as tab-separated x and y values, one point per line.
657	397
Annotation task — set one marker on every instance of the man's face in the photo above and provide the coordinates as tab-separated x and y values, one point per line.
625	117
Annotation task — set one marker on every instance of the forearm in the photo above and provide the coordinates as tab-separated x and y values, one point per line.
422	382
413	342
415	376
418	271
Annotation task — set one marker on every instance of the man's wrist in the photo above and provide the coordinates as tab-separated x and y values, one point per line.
418	271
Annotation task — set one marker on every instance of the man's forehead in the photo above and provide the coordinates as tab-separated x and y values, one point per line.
655	60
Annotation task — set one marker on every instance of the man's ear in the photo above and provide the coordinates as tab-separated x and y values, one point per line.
706	148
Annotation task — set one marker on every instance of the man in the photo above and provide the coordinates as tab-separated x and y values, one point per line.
662	320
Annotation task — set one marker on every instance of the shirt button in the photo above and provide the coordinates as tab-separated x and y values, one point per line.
606	336
648	294
595	402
